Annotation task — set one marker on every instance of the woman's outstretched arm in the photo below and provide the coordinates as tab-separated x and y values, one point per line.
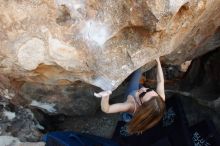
160	80
113	108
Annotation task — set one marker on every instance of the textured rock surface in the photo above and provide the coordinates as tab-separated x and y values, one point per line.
74	100
18	121
101	42
203	83
13	141
203	79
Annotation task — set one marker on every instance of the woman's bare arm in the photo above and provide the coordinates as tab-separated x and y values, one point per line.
160	80
114	108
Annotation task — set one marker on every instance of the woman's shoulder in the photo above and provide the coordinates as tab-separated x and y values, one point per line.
130	100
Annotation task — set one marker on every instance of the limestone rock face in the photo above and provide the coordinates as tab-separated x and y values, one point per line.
58	42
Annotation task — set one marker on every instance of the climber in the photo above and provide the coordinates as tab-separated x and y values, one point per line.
143	108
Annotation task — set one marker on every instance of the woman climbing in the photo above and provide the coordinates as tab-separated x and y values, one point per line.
143	108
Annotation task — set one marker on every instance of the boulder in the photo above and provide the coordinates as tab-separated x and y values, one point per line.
57	42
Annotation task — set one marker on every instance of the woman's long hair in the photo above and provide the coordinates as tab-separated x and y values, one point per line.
147	115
